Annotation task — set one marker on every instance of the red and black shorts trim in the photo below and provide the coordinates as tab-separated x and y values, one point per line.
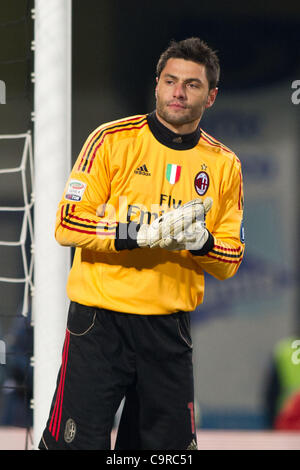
55	419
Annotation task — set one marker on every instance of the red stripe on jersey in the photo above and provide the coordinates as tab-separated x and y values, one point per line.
71	216
96	134
94	230
214	143
224	260
89	232
112	132
235	250
97	222
240	193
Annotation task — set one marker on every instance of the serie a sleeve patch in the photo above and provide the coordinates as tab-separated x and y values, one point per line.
75	190
242	232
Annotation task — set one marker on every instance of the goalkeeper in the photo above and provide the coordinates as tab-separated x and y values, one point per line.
152	203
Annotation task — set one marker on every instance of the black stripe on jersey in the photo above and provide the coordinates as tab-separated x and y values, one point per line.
80	224
130	123
92	227
227	255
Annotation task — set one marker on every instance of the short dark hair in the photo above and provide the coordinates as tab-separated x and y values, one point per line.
196	50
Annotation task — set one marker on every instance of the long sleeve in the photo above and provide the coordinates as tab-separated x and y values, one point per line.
226	242
86	192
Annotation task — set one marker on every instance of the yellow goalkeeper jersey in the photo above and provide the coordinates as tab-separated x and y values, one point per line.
133	170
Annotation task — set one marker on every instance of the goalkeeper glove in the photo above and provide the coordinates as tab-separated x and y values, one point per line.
194	237
170	225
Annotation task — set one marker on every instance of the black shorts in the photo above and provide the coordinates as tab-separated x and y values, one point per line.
109	355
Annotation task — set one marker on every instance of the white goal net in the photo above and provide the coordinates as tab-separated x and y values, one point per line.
16	278
25	237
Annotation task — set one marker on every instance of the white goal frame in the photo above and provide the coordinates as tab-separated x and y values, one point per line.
52	161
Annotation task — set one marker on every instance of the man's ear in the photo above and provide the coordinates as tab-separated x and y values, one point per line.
212	94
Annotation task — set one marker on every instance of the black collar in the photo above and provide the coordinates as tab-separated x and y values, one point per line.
169	138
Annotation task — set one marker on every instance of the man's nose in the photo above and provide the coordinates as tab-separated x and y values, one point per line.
179	91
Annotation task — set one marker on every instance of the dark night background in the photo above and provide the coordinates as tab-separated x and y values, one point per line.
258	45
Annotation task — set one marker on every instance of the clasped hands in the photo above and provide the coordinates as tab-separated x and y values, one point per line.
180	229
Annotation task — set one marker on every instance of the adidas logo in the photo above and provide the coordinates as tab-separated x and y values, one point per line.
142	170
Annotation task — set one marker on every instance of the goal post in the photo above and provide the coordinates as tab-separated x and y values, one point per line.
52	162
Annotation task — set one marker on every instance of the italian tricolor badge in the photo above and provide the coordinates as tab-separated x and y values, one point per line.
173	173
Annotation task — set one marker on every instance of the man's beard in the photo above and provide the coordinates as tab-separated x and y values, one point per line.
191	114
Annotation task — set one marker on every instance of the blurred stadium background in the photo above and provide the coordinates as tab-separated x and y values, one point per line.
115	48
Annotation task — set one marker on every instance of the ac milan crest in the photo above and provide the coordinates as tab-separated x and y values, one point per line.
201	183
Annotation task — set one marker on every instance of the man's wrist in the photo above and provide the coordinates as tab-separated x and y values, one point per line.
126	236
207	247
